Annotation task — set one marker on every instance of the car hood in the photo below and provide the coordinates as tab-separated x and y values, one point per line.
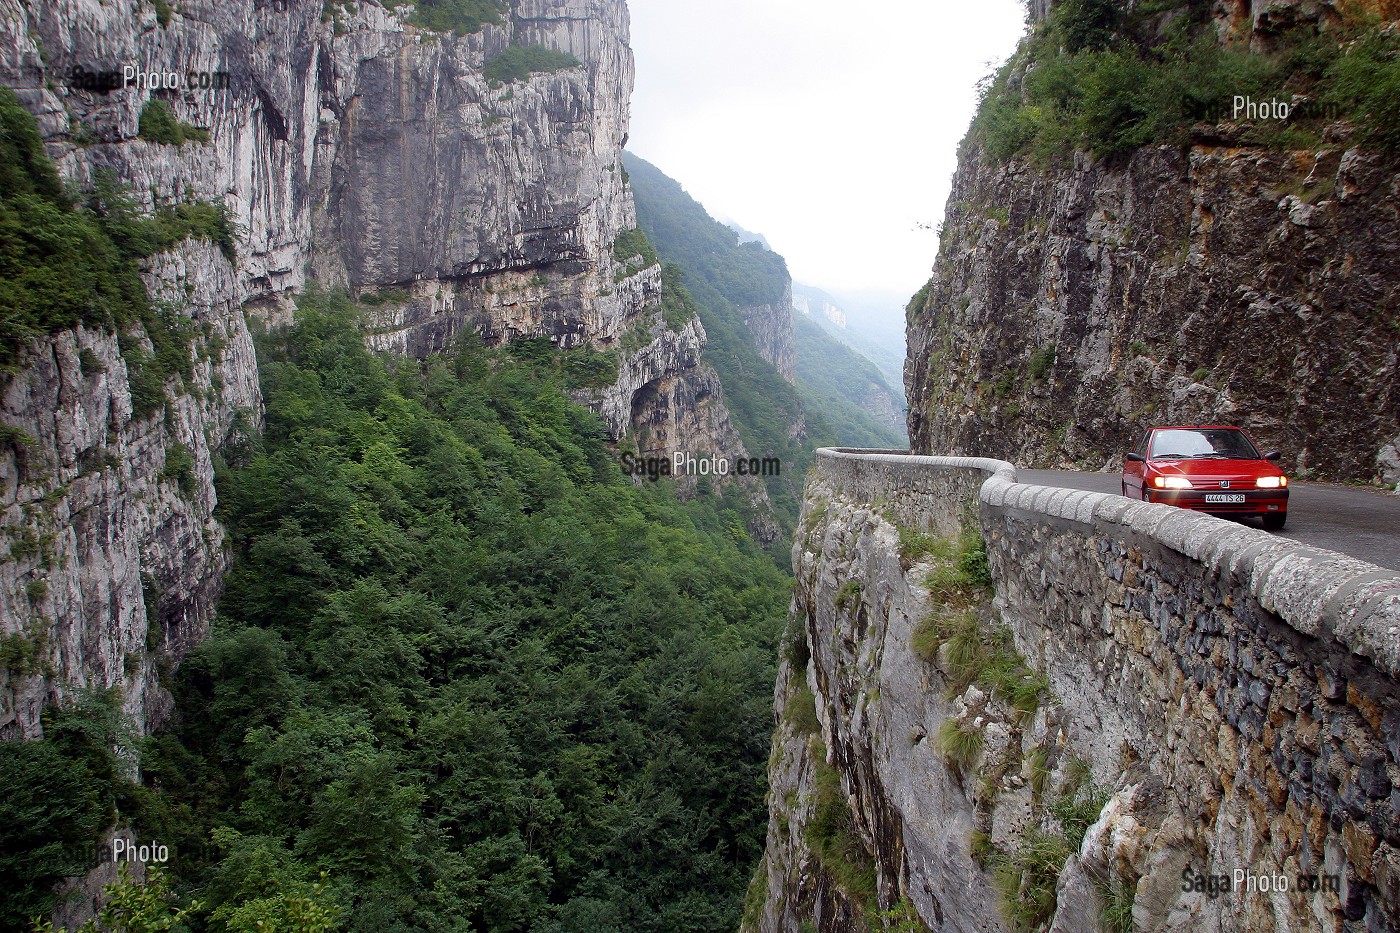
1211	470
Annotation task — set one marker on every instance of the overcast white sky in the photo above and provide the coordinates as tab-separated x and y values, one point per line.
829	127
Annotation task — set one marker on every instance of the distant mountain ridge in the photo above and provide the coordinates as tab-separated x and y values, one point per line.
789	388
856	324
848	389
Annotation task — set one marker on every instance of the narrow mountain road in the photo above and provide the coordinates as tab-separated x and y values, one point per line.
1363	523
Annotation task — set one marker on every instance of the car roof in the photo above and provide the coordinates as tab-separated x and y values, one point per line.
1197	427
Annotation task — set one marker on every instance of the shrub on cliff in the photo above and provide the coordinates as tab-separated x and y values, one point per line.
1091	78
459	17
518	62
158	125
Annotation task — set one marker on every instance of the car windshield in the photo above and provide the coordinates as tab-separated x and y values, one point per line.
1192	443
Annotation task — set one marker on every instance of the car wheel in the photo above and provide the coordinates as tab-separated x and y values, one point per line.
1276	521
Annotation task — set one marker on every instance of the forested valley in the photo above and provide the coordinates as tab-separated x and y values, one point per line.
464	675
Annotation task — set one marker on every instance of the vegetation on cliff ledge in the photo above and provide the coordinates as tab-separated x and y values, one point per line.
518	62
459	17
68	259
1097	77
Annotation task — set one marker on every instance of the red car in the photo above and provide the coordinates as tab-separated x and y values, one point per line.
1209	468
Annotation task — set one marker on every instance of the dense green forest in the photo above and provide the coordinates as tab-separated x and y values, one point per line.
461	667
834	380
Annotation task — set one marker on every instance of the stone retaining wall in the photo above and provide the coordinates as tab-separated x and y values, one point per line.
1237	692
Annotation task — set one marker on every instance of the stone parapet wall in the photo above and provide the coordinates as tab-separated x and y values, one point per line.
920	491
1236	692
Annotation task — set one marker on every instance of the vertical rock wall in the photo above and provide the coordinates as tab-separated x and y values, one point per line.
1071	308
770	329
352	148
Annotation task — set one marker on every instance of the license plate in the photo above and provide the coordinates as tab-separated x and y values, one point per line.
1224	498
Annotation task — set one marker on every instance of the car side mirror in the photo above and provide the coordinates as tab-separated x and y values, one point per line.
1272	455
1137	458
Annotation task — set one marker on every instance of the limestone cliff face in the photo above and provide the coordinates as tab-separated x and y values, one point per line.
770	329
354	149
1074	305
865	812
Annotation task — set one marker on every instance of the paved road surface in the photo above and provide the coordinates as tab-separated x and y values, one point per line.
1364	523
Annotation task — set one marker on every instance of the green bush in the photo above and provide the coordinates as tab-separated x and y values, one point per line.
1041	362
1027	879
940	627
961	574
960	743
519	62
848	594
587	368
832	836
179	467
14	438
981	848
200	220
1365	81
158	125
1087	25
916	545
989	660
972	560
677	307
1077	808
1100	79
24	655
90	363
801	711
631	244
459	17
384	296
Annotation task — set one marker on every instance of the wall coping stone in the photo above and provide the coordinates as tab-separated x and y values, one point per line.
1317	592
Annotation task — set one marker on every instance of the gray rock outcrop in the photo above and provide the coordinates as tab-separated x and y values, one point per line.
770	331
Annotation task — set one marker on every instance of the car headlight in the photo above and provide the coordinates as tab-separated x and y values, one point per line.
1171	482
1270	482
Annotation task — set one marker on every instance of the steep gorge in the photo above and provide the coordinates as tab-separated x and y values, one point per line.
353	148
